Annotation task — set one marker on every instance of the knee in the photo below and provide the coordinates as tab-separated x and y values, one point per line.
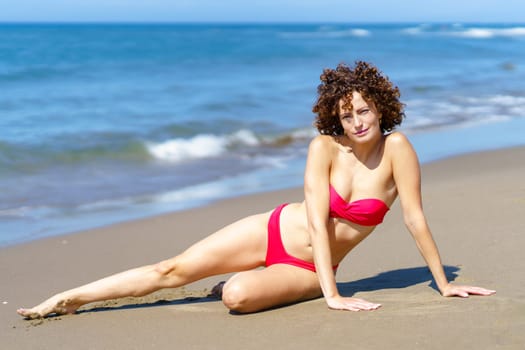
235	296
170	268
165	267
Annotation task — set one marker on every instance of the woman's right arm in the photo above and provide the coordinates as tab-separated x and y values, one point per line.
316	184
317	198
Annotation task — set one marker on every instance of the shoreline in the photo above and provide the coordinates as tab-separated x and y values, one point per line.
265	197
474	204
431	146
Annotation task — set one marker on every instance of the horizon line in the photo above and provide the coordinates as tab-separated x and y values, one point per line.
146	22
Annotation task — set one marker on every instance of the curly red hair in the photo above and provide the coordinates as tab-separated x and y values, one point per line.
369	82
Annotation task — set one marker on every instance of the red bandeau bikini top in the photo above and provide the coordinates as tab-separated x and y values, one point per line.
366	212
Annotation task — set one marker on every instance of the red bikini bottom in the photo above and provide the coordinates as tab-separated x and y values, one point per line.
276	254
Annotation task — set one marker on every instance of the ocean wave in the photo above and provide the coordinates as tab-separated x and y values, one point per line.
463	111
501	100
185	142
14	213
201	146
244	141
327	33
30	158
486	33
75	150
457	30
36	73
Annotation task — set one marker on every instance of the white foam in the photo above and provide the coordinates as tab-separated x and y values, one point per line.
465	111
305	133
245	137
486	33
34	212
420	29
479	33
14	212
205	191
458	30
329	33
517	31
360	32
200	146
507	100
511	103
412	30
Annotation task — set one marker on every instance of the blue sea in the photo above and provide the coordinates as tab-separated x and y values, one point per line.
101	123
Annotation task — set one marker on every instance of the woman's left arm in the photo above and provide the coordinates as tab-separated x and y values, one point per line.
407	176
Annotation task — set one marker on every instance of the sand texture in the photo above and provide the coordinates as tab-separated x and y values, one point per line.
475	205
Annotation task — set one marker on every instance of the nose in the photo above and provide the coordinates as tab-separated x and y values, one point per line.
357	121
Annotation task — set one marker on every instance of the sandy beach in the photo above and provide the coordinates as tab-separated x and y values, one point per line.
475	205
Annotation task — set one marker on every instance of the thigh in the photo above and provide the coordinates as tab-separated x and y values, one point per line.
237	247
276	285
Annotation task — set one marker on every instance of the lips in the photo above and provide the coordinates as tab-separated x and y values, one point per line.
361	132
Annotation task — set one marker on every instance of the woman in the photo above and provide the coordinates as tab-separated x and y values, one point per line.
355	169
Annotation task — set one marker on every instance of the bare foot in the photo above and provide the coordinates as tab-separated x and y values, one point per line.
54	305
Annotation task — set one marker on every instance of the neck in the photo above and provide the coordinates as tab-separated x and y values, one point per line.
364	151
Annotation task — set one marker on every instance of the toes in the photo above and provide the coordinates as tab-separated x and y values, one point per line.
28	313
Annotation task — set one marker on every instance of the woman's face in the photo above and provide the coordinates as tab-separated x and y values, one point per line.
361	122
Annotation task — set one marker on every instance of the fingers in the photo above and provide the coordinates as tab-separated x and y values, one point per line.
356	304
478	290
465	291
462	293
361	304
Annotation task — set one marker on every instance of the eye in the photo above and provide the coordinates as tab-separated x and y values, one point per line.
364	111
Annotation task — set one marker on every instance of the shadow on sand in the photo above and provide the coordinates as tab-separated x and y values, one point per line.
394	279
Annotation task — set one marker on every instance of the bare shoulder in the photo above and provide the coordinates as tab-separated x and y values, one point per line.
321	143
402	156
397	144
322	140
397	139
320	152
318	161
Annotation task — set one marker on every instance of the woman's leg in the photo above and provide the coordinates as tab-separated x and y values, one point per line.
238	247
276	285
